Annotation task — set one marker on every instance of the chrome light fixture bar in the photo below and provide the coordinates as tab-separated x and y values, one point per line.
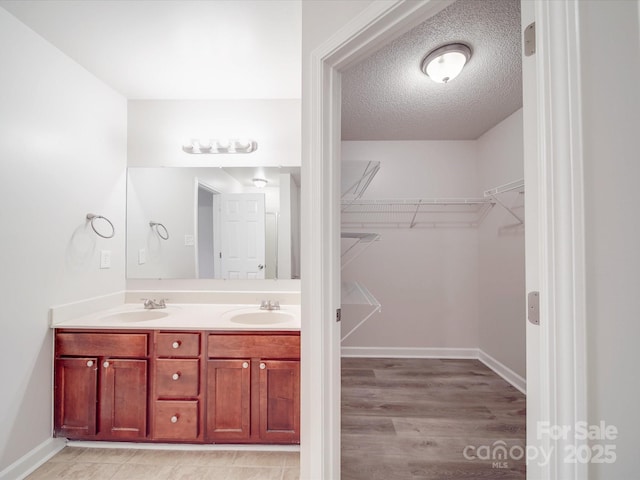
197	146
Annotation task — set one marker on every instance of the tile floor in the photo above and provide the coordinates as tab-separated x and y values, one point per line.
79	463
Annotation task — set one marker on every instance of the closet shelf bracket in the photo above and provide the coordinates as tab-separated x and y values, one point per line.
493	194
353	293
361	241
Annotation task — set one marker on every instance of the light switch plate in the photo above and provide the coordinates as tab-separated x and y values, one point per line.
142	256
105	258
188	241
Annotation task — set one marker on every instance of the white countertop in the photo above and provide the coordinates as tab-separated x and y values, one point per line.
188	316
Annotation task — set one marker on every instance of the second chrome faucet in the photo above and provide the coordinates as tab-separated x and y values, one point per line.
269	305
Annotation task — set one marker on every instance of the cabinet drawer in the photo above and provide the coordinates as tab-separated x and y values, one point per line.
254	346
178	344
176	420
120	345
177	378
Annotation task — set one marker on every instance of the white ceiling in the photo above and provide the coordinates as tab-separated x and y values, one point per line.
229	49
149	49
387	97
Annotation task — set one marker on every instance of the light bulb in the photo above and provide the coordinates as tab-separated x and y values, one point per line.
445	63
259	182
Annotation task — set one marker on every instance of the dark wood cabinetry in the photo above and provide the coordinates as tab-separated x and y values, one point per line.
177	398
195	387
99	392
253	388
280	401
229	400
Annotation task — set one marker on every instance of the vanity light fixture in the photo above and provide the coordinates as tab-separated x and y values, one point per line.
197	146
445	63
259	182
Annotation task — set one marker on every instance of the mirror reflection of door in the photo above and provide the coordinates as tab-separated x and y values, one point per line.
231	235
242	245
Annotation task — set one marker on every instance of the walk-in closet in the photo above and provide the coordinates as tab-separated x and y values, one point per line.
433	255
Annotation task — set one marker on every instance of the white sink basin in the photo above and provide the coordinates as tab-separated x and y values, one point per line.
262	317
135	316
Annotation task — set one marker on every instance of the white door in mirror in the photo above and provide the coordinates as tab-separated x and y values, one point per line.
243	235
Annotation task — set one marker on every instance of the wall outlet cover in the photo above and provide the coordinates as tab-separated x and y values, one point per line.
105	258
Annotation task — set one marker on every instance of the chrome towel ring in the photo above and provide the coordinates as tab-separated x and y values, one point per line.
91	217
157	227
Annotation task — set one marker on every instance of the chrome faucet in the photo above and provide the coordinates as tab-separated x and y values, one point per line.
269	305
152	304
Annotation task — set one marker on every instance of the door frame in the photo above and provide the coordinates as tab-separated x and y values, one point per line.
561	365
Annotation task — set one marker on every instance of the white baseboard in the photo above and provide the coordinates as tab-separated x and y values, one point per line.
505	372
473	353
28	463
409	352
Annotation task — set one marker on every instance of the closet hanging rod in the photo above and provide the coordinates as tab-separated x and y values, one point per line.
419	201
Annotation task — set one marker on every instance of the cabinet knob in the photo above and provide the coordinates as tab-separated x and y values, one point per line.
174	419
245	365
262	366
176	376
105	364
90	363
176	344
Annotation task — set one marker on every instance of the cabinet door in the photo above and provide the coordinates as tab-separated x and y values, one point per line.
280	401
229	400
123	398
76	387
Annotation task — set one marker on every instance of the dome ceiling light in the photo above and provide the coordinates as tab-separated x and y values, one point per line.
445	63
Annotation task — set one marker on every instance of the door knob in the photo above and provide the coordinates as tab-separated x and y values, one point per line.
260	267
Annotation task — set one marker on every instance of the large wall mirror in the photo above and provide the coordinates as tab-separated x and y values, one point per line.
214	222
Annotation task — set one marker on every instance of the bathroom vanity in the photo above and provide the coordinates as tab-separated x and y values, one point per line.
191	376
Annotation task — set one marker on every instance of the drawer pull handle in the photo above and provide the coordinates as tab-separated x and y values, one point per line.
90	363
105	364
174	419
176	344
176	376
262	366
245	365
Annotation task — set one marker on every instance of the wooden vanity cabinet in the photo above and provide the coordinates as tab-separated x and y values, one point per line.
253	388
177	386
100	385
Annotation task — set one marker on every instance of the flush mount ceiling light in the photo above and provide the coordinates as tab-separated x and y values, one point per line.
259	182
197	146
445	63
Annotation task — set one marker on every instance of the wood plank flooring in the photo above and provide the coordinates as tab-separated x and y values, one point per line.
410	419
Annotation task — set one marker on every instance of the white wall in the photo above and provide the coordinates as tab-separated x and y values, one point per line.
63	151
501	248
610	56
157	129
425	278
319	447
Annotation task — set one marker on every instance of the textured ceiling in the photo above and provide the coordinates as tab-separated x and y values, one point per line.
387	97
177	49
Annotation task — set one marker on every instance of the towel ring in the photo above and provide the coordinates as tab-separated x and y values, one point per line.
91	217
157	226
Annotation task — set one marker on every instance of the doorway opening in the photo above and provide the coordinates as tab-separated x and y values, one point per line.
433	309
